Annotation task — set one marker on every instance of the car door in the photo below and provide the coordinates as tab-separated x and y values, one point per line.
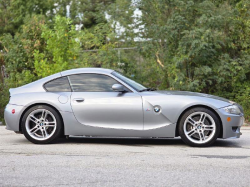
94	103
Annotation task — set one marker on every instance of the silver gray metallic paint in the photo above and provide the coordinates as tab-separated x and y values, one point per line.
109	109
116	114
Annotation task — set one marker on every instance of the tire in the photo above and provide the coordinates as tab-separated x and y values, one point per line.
41	124
199	127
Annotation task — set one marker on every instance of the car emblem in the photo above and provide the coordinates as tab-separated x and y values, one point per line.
157	109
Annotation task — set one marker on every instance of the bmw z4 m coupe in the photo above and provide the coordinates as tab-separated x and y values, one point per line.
102	102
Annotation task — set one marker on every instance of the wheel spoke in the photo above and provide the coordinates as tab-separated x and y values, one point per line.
202	118
34	130
208	127
44	114
46	134
202	136
33	118
191	121
191	133
43	133
50	124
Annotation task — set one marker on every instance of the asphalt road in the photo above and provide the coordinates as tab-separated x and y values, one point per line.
123	162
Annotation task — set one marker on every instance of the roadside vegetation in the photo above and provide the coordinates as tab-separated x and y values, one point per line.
200	46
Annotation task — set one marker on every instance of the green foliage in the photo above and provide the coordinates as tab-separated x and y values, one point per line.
99	39
89	13
62	48
243	97
4	99
19	58
14	13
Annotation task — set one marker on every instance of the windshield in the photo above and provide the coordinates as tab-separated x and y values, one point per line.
128	81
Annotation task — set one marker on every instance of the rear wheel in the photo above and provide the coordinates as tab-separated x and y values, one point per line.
41	124
199	127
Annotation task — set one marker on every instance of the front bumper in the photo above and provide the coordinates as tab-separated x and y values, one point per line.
231	128
12	119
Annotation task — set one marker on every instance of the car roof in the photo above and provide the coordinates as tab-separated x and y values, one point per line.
86	70
37	86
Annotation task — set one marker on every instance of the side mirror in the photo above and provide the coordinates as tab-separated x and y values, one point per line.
118	88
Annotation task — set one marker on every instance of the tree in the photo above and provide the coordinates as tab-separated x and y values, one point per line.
62	47
13	13
19	58
89	13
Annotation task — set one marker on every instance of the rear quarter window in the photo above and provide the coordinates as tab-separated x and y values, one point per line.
58	85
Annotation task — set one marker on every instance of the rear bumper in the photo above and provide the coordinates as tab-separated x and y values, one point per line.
12	119
231	128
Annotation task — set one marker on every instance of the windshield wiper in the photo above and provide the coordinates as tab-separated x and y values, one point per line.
147	89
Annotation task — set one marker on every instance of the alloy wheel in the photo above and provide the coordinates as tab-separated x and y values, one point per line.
41	124
199	127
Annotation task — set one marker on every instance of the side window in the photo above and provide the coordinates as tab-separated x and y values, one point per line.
58	85
92	83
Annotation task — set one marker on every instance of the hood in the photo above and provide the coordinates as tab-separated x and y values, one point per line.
186	93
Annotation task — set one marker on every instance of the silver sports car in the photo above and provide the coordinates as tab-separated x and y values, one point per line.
102	102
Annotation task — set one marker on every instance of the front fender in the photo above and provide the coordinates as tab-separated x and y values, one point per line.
174	105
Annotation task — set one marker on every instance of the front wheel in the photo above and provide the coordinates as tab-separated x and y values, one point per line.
199	127
41	124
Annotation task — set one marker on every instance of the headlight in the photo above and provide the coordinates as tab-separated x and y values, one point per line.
233	109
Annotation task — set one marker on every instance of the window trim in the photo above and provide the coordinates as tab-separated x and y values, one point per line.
114	78
56	79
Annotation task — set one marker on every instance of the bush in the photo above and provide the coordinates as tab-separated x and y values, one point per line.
4	99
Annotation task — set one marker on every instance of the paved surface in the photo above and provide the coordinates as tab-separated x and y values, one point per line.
123	162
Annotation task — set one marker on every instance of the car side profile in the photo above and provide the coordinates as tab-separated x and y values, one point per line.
102	102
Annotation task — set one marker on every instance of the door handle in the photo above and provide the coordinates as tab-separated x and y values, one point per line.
79	100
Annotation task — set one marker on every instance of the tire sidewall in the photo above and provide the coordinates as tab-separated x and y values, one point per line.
57	133
199	109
